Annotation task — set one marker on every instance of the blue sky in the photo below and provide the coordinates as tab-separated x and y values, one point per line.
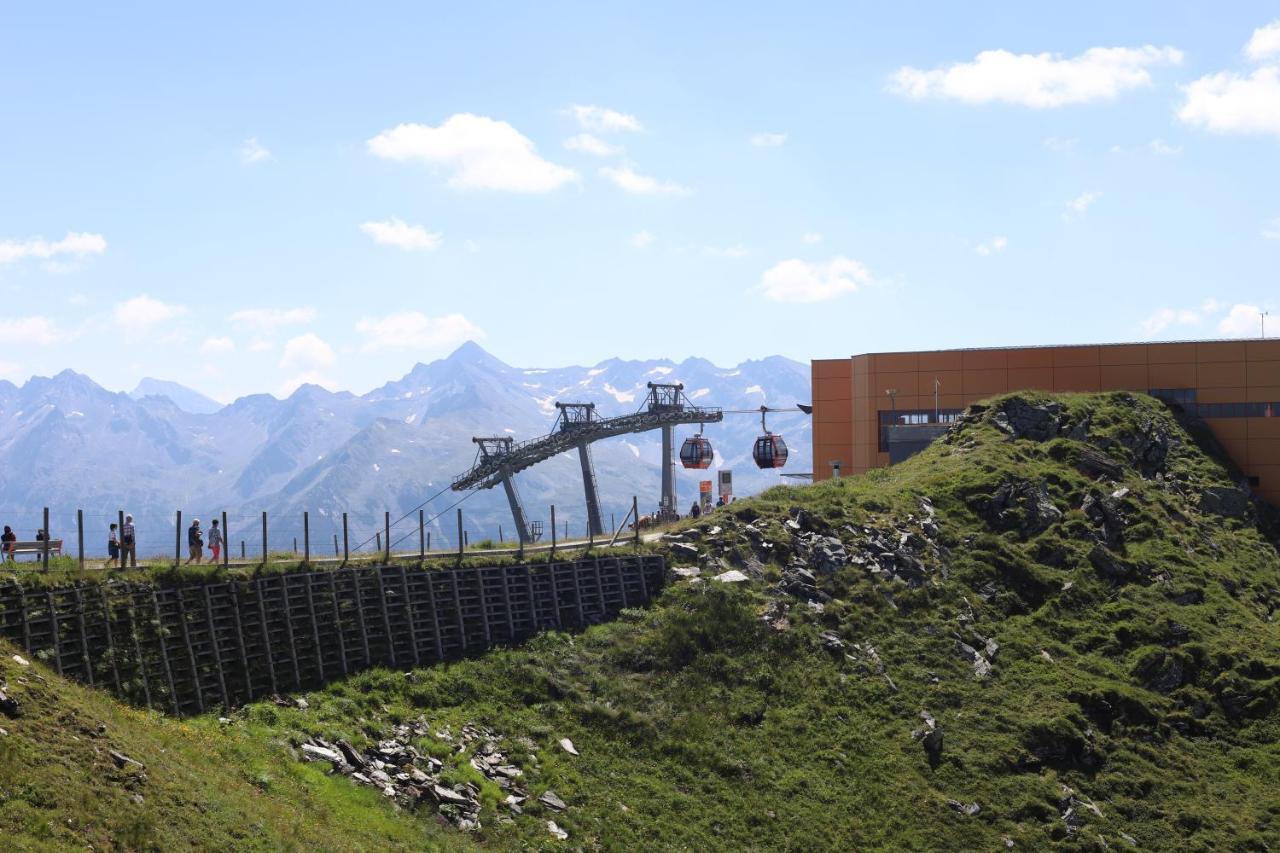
243	199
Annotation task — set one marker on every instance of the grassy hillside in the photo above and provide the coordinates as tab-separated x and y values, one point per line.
1056	628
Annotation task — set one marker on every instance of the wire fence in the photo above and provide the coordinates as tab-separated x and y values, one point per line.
258	537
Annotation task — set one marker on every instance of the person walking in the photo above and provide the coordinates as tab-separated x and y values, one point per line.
113	545
6	543
215	542
128	546
195	543
695	510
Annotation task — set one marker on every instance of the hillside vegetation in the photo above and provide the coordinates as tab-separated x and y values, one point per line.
1054	628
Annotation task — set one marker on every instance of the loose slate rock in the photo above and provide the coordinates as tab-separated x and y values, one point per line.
551	801
557	831
567	746
732	576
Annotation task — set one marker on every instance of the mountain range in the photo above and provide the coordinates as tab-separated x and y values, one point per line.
68	444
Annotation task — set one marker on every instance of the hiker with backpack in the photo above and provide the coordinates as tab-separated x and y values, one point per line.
195	543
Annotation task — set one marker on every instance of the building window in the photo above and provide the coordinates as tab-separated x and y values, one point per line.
1185	398
902	417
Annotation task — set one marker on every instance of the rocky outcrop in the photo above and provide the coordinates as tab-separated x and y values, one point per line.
1021	419
1021	505
1226	501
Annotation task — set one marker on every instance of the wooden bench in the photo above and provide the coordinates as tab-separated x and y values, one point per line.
35	548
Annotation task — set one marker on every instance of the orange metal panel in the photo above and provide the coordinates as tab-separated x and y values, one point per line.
1268	481
1030	379
1030	357
1165	375
1077	379
1237	449
1210	351
1264	427
1264	394
1262	373
985	382
1226	374
1123	377
1220	395
1264	451
1227	428
1170	354
1123	354
906	383
940	360
832	389
831	368
1262	350
893	362
1075	356
988	359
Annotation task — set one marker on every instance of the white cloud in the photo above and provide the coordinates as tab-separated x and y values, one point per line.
142	313
812	239
768	140
1078	206
1167	317
992	246
1164	149
9	369
480	152
261	345
214	346
736	251
413	330
1230	103
1264	43
795	280
1271	229
633	182
1036	80
1242	321
642	239
402	235
588	144
307	352
267	320
37	330
1061	146
75	244
603	120
252	151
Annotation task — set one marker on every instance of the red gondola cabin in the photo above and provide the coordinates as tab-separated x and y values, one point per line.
696	452
770	451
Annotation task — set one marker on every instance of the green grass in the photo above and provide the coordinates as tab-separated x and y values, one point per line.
699	726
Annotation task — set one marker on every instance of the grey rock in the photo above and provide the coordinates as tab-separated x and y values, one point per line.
1226	502
312	752
1022	505
1149	447
684	549
9	706
551	801
732	576
1111	567
1020	419
1095	463
350	755
932	743
1104	511
1162	672
445	796
831	642
122	761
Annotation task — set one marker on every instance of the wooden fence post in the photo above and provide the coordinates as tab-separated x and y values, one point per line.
177	540
242	552
295	544
336	552
386	526
264	537
226	544
346	551
378	543
635	513
422	542
306	537
80	537
45	557
553	530
120	538
462	541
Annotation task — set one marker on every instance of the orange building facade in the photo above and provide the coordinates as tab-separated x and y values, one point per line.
1233	385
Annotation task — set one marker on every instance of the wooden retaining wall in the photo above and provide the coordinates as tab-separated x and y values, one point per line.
189	649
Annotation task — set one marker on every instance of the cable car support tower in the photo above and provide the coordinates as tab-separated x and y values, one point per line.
577	427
